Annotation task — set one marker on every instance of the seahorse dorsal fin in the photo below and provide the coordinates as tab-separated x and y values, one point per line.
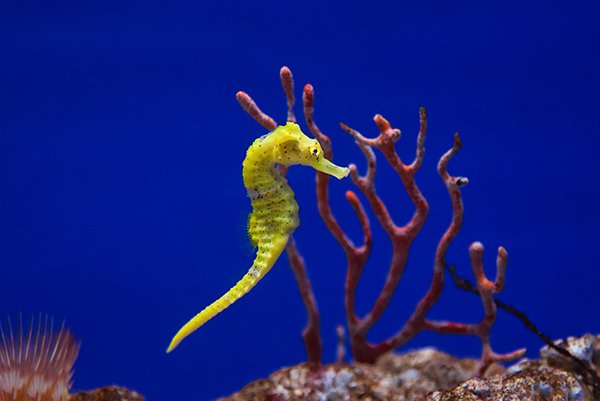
253	242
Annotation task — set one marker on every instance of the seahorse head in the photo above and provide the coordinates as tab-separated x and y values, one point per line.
292	146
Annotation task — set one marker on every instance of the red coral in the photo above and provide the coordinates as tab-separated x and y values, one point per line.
401	238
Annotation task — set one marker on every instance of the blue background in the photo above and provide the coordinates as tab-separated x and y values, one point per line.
122	209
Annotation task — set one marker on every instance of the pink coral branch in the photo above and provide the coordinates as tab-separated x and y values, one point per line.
287	82
312	338
322	182
356	256
341	344
308	103
400	236
453	185
255	112
486	290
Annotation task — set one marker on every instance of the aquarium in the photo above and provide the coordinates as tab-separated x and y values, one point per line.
470	136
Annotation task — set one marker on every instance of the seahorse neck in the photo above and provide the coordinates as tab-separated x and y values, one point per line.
258	169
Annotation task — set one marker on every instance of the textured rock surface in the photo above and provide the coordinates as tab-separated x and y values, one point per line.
529	380
432	369
395	377
586	348
421	375
110	393
430	375
332	382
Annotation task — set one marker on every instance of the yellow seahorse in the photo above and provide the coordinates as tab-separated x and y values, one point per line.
274	210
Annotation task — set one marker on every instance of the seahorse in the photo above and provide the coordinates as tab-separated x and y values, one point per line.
274	214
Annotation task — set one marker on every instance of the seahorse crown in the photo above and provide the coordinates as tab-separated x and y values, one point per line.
292	146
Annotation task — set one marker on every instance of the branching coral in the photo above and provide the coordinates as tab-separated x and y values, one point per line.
37	365
401	238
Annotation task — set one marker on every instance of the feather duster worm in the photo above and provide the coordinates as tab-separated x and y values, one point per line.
36	365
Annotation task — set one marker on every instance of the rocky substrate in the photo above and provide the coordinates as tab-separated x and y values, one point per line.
431	375
422	375
529	380
109	393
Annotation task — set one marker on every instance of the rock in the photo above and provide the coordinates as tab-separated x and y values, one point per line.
395	377
110	393
432	369
333	382
428	374
586	348
530	380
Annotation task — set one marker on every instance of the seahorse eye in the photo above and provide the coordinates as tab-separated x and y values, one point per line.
314	152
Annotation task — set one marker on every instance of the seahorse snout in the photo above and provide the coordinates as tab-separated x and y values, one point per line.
327	167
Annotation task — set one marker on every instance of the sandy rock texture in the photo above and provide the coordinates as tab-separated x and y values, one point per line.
395	377
431	375
529	380
421	375
110	393
586	348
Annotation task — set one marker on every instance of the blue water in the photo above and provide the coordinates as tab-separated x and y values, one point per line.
122	206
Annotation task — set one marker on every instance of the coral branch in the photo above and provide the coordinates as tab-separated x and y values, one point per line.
312	338
401	237
287	82
590	376
308	103
486	290
341	344
356	256
453	184
501	262
256	113
322	182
